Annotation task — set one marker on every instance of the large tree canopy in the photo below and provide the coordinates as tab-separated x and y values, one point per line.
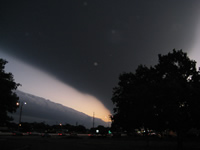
165	96
8	98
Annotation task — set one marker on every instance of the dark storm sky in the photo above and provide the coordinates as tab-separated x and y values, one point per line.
88	43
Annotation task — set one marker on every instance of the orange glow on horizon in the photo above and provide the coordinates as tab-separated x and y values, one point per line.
39	83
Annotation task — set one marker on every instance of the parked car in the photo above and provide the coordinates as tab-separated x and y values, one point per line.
46	135
17	133
33	133
61	134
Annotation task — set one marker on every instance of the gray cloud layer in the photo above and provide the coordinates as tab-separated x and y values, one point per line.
39	109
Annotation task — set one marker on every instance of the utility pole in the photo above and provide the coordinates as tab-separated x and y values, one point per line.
93	119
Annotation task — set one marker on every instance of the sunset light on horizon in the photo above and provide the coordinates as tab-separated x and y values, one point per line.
39	83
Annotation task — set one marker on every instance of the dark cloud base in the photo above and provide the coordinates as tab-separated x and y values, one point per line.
67	38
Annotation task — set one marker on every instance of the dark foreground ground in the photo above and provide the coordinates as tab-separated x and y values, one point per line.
61	143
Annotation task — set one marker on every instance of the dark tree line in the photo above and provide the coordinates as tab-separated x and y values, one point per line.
63	128
8	98
164	96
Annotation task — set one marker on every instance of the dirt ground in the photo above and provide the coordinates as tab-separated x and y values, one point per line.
61	143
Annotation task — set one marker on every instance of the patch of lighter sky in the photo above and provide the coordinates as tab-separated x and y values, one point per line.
39	83
195	49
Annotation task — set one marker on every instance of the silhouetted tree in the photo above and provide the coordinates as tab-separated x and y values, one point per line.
165	96
8	98
131	99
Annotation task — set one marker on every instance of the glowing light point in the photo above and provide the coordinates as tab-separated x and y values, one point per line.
96	64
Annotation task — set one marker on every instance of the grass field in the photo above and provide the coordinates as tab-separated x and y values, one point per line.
61	143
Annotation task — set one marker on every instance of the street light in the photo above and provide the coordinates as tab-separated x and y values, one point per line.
20	113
